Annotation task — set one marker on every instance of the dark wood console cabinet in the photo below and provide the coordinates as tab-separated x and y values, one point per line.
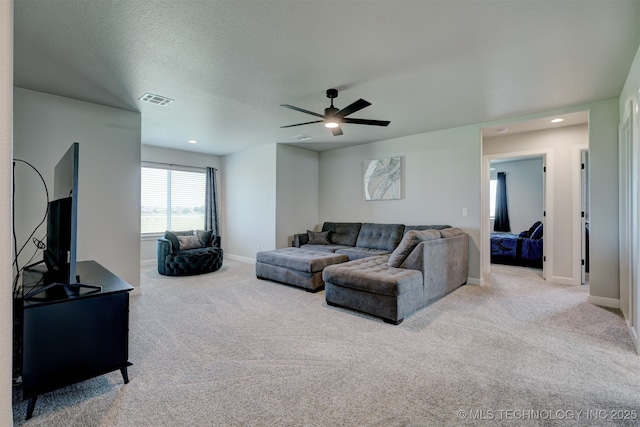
70	337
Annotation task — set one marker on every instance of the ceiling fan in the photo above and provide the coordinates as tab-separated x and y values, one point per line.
333	116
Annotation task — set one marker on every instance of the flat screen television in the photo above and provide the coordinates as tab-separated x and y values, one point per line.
62	230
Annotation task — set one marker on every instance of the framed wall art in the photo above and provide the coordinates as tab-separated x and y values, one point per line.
382	178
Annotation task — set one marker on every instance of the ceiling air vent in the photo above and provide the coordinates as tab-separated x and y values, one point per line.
156	99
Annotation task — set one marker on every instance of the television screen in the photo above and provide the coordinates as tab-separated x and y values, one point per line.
62	222
62	232
56	254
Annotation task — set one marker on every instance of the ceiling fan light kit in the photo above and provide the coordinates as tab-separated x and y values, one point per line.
333	116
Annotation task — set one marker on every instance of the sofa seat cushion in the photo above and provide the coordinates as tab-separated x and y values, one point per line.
323	248
374	275
357	253
300	259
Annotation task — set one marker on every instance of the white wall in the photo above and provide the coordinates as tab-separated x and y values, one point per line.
249	187
603	171
524	191
45	126
441	174
560	143
6	308
297	192
149	153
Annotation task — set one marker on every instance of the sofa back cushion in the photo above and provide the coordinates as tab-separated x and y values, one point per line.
343	233
380	236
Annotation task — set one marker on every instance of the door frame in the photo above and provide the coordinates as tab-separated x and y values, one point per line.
485	229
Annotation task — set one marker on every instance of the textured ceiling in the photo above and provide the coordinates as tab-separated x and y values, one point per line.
424	65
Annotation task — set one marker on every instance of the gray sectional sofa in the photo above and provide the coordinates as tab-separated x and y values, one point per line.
426	265
392	270
357	240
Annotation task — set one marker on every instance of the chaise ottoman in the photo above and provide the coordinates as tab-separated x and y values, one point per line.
296	266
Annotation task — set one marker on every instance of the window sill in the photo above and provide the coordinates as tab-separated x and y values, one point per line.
151	236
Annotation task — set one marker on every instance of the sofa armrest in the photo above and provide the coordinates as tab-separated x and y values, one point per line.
164	247
444	264
300	239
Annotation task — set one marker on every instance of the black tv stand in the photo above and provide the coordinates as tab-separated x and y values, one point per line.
56	289
72	333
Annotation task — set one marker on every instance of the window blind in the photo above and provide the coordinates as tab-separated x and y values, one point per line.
171	200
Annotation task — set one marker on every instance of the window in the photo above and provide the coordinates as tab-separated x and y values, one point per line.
493	183
171	200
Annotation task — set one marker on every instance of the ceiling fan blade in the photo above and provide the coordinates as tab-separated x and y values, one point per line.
336	131
300	124
352	108
366	122
302	110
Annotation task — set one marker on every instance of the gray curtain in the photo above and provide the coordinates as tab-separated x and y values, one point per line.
501	222
211	221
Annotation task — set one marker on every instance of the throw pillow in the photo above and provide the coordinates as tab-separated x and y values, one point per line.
408	243
172	236
537	233
204	236
318	237
450	232
189	242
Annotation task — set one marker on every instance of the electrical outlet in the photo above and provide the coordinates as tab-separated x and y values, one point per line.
259	246
465	211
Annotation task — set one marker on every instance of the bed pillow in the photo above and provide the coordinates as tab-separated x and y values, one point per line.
537	233
318	237
530	231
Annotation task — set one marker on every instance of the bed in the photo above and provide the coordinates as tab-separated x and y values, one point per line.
523	249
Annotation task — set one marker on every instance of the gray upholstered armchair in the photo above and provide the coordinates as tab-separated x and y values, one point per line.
184	253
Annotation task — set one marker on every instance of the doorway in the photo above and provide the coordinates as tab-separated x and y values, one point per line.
562	145
521	241
525	161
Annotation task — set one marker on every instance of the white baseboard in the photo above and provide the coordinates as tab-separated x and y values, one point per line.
475	281
564	281
604	302
240	258
148	262
634	337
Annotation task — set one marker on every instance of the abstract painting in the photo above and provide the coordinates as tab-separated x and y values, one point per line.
382	178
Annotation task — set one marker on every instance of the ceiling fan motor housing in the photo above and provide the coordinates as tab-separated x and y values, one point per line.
330	111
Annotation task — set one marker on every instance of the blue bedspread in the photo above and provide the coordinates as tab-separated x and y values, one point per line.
514	250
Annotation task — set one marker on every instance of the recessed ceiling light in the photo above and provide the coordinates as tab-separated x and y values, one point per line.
558	120
502	130
192	141
156	99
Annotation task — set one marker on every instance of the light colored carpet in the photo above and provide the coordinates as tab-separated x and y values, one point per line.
227	349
